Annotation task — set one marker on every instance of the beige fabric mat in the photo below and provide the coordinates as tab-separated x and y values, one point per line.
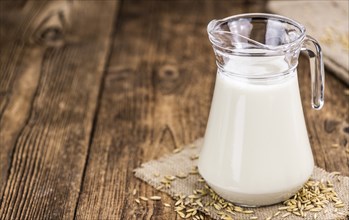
182	162
328	22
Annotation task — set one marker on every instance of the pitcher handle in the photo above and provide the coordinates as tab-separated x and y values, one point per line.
313	49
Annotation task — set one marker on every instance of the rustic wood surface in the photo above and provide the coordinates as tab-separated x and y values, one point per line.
89	90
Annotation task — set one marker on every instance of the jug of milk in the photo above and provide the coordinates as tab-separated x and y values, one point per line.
256	149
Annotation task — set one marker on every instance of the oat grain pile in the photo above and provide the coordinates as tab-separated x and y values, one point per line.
324	196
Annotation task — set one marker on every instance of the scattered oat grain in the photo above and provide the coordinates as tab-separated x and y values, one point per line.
143	198
155	198
277	213
177	150
170	178
134	191
160	187
182	175
194	157
286	214
334	145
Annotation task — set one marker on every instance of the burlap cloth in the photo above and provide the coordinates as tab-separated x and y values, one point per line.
153	172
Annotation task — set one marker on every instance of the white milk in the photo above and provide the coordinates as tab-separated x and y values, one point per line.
256	149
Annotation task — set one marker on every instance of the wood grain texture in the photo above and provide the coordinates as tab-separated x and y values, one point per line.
329	126
18	79
51	67
75	122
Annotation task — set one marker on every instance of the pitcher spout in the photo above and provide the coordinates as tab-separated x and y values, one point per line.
230	35
243	32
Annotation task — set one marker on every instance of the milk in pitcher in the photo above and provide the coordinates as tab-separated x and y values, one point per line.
256	149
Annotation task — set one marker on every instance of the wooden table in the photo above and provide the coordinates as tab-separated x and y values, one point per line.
89	90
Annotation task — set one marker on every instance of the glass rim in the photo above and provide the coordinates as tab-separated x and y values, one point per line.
266	16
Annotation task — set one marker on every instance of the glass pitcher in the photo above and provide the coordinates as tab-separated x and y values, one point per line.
256	149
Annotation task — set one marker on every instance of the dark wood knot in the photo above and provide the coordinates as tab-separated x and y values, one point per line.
168	72
167	78
53	24
52	34
330	125
346	130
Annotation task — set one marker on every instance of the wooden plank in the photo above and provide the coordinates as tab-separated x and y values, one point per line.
328	129
156	97
19	78
51	68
